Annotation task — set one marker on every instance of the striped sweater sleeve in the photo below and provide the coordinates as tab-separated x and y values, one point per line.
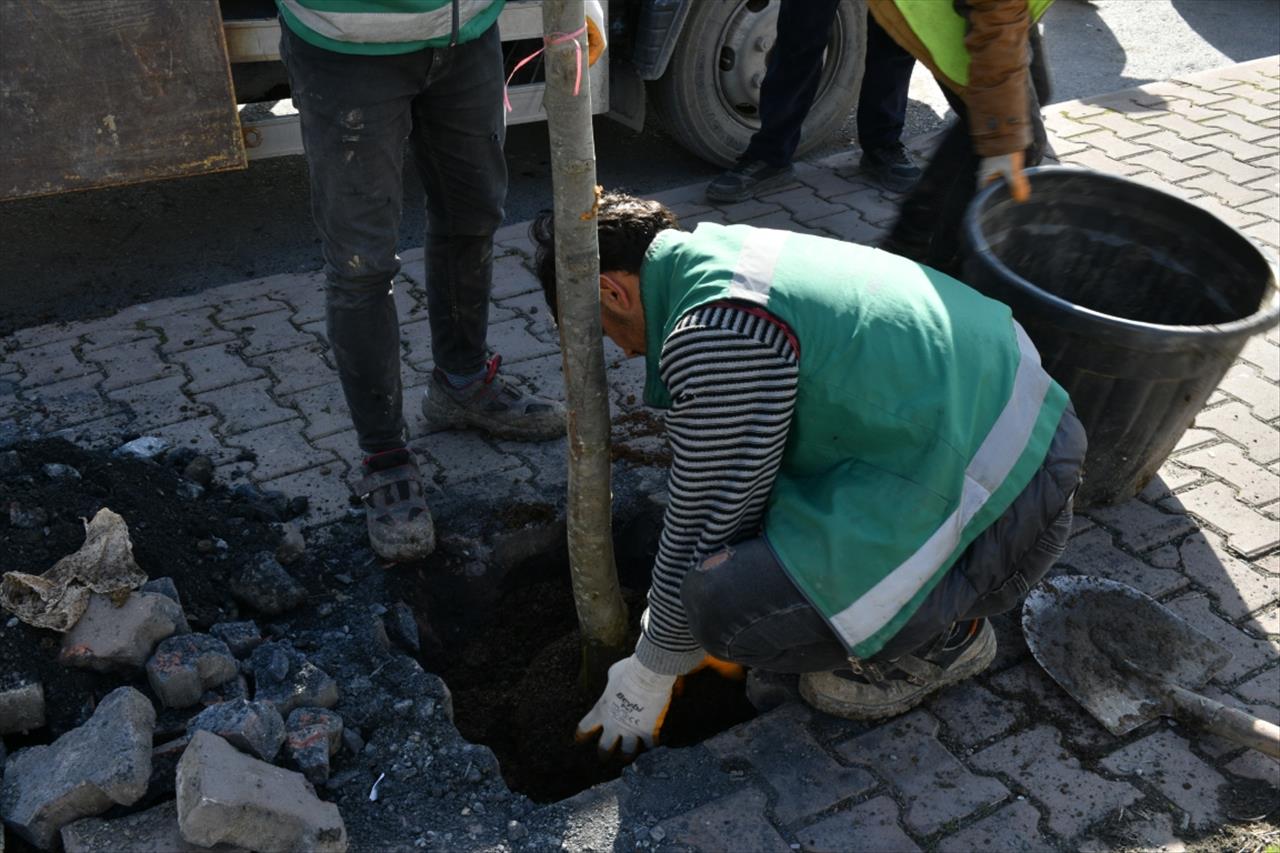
732	378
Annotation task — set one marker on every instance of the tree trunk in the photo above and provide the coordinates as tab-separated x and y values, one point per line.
601	611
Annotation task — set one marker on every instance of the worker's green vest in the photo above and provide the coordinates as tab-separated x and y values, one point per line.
921	410
381	27
941	29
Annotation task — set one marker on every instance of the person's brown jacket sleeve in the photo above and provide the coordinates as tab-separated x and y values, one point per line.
998	67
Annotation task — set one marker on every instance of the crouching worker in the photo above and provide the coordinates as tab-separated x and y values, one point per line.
867	461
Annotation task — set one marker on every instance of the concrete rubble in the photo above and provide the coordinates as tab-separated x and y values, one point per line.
225	796
252	727
267	587
184	667
105	762
241	637
21	707
153	831
313	736
108	638
284	677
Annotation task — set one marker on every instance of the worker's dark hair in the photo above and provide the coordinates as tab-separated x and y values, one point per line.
626	225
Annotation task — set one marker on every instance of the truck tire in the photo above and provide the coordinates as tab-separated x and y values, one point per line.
709	96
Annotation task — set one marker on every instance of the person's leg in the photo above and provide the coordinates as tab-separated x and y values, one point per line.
786	95
458	133
882	110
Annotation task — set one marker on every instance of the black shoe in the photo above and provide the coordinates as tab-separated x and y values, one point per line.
892	166
745	180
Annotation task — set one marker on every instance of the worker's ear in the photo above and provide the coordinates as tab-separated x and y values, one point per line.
613	295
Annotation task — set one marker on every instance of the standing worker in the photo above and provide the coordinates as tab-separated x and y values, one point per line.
367	75
988	58
786	96
867	461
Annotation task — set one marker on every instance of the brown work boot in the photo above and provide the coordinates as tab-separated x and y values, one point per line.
492	404
395	501
886	690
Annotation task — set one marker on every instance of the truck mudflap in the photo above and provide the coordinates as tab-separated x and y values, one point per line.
110	92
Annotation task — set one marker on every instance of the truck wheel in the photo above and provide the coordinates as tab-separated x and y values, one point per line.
709	97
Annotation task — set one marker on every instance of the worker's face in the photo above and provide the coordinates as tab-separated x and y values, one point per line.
621	312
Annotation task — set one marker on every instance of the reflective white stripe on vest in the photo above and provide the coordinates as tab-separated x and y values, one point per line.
753	274
989	467
386	27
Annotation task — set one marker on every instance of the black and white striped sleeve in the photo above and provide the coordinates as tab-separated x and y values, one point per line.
732	378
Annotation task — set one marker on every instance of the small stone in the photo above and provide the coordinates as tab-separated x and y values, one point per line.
146	447
267	587
345	580
58	471
252	727
303	683
10	463
105	762
313	736
27	519
107	638
352	740
21	707
204	546
228	691
292	545
199	470
189	491
473	775
241	637
657	833
402	626
274	663
226	796
402	706
516	830
183	667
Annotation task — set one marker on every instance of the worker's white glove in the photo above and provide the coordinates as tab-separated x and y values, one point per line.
1009	167
596	29
630	711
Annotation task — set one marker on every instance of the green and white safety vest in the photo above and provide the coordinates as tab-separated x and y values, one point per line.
383	27
921	410
941	29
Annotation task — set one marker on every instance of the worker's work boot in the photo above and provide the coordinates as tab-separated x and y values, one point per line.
748	179
400	526
492	404
885	690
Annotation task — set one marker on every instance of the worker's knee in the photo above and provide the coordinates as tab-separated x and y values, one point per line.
704	593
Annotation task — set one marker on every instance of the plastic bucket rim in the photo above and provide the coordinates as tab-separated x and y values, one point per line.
1266	315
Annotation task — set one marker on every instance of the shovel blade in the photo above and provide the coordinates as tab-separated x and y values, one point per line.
1061	619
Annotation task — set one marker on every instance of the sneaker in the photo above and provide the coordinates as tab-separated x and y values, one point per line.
400	526
886	690
492	404
892	166
745	180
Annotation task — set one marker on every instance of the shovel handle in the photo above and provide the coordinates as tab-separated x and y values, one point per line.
1232	724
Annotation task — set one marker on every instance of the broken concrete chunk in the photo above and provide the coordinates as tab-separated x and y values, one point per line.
228	691
58	471
199	470
146	447
302	683
109	638
225	796
314	735
253	727
106	761
152	831
267	587
21	706
240	637
185	666
292	545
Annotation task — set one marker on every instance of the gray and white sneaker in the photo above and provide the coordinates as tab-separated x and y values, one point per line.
493	405
400	526
886	690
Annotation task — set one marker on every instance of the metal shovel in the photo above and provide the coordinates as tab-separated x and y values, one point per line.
1127	659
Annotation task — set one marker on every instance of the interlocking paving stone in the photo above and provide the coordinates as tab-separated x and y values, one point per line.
192	330
1266	622
1194	438
872	827
741	211
1093	553
280	449
1233	194
1183	126
324	408
1239	127
1238	148
264	333
101	433
781	221
1255	765
114	335
803	203
1236	587
159	403
972	714
298	369
1106	140
253	302
246	406
518	343
1166	761
1248	531
1264	355
1226	164
325	488
49	363
1028	680
511	277
214	367
1178	147
1263	688
463	455
1074	798
1092	158
1141	526
1171	477
848	225
807	780
934	784
1244	382
1015	828
195	434
735	822
825	182
1247	653
543	375
871	205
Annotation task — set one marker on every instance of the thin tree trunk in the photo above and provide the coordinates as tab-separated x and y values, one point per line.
601	611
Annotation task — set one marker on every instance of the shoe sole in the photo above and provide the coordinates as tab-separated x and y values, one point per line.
776	181
441	414
406	549
888	180
830	705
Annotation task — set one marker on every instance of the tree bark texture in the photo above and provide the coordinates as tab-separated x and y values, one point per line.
602	614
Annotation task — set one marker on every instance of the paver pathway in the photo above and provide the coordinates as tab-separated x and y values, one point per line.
1004	762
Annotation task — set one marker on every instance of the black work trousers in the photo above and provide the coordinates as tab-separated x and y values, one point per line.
795	69
929	221
357	113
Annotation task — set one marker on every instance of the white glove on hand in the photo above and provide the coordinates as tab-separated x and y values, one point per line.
630	711
1009	167
596	29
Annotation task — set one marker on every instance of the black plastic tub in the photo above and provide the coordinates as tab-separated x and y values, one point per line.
1137	300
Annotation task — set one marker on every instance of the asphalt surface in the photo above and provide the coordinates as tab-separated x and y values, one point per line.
86	254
